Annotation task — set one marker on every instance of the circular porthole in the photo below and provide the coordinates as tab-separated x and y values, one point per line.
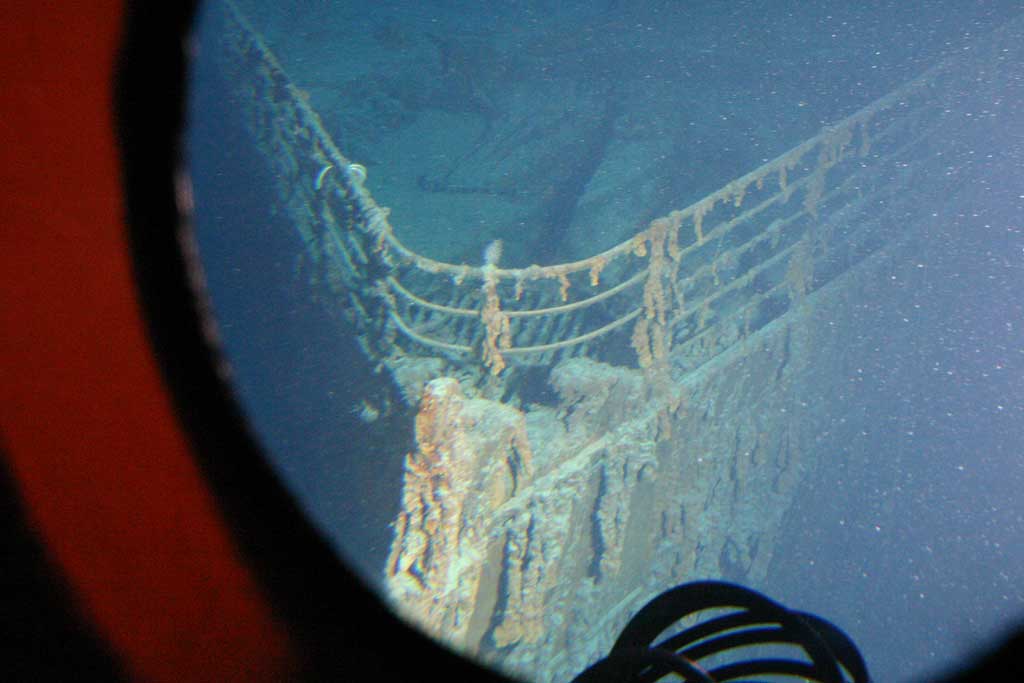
541	309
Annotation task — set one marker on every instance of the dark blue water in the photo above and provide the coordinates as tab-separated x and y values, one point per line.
299	375
910	533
